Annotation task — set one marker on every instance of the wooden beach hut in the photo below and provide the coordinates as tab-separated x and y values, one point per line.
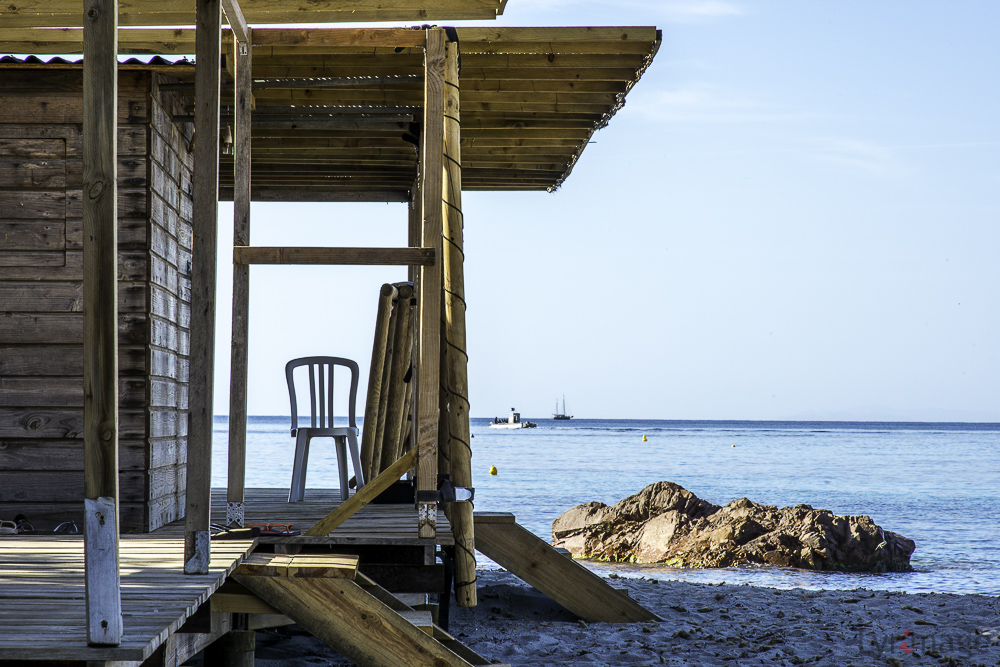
110	176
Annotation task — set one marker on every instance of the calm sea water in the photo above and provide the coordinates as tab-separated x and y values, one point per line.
936	483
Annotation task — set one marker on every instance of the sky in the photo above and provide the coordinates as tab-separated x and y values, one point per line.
796	215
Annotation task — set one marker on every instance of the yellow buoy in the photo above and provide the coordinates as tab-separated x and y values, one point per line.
493	470
734	445
644	438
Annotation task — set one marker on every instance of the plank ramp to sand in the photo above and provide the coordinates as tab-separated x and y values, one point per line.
43	604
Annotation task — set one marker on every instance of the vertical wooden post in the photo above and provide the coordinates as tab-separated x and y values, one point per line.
241	290
208	47
429	300
100	321
455	377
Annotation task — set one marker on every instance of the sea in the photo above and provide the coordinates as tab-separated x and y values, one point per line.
935	483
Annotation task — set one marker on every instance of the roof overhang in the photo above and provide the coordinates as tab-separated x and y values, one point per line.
336	108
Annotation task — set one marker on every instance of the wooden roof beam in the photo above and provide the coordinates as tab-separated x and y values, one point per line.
301	194
66	13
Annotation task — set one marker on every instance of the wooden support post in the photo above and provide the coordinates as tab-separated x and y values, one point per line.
100	321
370	424
429	300
454	364
233	649
208	40
241	288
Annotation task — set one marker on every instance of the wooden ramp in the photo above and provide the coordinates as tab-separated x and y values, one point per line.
43	607
565	581
328	597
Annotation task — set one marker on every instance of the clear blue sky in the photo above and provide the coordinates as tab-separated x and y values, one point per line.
795	216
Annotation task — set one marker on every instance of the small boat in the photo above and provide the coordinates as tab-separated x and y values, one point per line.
514	421
561	415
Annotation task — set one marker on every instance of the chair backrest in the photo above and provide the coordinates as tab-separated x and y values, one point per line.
320	370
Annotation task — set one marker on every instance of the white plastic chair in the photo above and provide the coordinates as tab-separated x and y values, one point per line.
320	370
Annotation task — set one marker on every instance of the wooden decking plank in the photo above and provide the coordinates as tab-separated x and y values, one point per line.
372	524
42	599
570	584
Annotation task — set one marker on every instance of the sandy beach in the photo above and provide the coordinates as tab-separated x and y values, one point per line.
707	624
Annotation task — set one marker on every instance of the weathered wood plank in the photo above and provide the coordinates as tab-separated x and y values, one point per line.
565	581
203	279
40	455
298	194
22	422
342	256
42	360
64	486
326	566
45	328
65	392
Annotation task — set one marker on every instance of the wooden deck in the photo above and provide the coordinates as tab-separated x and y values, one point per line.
43	606
373	524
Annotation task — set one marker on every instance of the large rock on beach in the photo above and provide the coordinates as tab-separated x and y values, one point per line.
665	523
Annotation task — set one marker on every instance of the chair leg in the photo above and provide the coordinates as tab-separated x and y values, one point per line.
342	465
297	490
352	443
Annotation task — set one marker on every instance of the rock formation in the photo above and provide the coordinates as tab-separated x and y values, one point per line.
665	523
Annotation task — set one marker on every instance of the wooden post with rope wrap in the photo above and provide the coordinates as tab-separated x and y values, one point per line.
454	363
429	299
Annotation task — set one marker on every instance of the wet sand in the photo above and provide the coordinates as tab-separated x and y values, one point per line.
707	624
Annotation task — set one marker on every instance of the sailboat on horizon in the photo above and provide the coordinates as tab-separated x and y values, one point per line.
561	415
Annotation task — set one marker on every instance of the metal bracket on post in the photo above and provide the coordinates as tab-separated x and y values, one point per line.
234	514
447	493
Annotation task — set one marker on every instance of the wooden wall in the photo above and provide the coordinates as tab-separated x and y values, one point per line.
41	323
